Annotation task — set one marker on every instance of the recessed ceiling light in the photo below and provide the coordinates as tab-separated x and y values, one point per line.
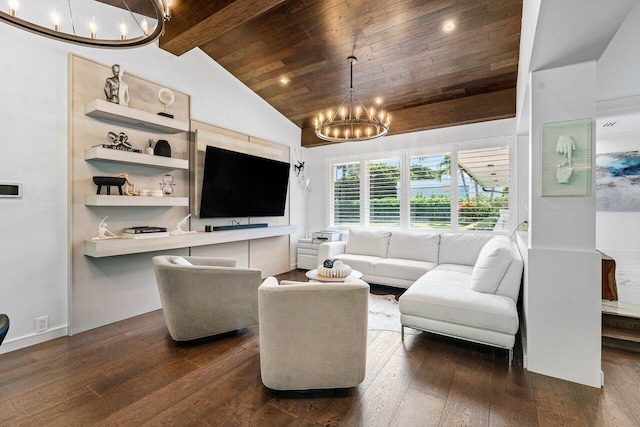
378	100
448	26
284	80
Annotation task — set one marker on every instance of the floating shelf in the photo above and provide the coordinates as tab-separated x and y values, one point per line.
124	246
120	156
102	200
115	112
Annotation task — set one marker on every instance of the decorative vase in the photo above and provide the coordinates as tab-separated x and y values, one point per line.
162	148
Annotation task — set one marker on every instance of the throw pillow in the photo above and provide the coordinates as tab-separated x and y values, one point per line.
368	242
180	261
492	264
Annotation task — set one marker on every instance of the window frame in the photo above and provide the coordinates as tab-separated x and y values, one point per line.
404	156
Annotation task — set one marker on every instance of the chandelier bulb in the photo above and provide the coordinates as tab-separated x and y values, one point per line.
93	28
167	9
144	26
123	31
55	19
13	7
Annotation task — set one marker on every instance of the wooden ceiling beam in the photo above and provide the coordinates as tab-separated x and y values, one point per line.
188	28
470	109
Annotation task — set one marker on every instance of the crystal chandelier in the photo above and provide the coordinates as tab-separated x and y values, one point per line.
352	121
58	20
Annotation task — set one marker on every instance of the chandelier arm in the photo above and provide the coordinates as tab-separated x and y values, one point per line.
333	119
73	24
132	15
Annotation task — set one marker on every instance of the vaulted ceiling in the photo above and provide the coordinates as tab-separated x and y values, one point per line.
293	54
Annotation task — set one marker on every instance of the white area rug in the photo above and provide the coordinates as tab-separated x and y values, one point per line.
385	315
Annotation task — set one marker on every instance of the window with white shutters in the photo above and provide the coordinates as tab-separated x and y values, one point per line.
430	191
383	190
459	188
345	193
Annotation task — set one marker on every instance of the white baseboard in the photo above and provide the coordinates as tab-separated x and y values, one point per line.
33	339
294	266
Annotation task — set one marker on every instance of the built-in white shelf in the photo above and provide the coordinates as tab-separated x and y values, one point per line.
120	156
124	246
102	200
109	111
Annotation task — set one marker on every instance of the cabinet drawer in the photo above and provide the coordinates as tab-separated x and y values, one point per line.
302	251
307	262
308	246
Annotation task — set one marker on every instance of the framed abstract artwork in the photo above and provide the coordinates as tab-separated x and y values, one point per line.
618	181
566	158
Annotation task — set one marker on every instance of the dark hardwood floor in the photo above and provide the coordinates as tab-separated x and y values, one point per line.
131	373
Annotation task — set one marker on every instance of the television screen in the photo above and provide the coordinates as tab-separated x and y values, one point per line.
241	185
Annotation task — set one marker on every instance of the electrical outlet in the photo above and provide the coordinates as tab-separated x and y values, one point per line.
42	323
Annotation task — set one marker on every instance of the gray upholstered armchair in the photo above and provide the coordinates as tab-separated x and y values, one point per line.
209	297
313	335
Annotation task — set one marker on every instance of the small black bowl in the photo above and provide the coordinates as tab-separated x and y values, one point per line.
109	180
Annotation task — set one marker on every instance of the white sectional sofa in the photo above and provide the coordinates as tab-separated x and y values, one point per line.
463	285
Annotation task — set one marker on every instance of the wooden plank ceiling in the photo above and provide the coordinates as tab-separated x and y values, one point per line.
425	77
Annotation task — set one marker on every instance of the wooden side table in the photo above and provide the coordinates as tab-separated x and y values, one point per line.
609	286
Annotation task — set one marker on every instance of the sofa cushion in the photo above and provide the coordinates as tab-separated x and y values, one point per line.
492	264
461	248
415	246
455	267
446	296
368	242
408	269
362	263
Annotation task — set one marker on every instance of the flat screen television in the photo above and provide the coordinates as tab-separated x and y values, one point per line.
241	185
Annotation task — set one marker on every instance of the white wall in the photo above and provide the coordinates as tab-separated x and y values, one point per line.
619	65
317	157
618	233
33	250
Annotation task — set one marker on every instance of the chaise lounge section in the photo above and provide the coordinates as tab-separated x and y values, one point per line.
463	285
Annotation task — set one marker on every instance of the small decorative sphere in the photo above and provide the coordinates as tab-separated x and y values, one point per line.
328	263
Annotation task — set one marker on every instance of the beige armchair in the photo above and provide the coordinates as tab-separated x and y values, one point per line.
313	335
209	297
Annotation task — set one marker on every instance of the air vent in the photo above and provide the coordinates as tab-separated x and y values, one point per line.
608	124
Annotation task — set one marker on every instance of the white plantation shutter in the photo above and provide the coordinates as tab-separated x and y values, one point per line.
483	188
457	189
383	204
345	193
430	191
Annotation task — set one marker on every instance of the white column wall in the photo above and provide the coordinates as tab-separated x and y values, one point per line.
563	287
34	257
